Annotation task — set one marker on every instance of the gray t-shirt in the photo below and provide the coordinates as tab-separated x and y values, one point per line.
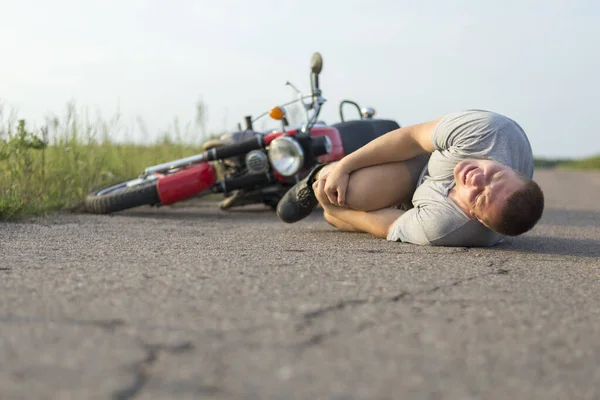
435	218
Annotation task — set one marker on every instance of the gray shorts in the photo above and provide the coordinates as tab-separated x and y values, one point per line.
417	167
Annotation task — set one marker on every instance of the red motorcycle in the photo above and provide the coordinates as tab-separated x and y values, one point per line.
249	167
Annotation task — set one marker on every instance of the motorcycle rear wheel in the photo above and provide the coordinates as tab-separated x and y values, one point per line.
122	196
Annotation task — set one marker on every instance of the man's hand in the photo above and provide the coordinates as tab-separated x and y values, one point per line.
336	184
319	189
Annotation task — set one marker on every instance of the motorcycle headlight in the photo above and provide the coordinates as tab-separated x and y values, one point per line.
286	156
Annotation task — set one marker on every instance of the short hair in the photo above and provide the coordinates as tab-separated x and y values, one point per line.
521	210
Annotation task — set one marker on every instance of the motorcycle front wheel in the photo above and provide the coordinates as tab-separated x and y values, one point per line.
122	196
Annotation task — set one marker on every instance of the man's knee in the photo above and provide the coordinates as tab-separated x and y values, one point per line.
357	199
381	186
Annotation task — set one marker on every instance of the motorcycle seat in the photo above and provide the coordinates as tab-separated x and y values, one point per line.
357	133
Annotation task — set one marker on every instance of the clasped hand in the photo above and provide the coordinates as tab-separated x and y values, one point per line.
330	188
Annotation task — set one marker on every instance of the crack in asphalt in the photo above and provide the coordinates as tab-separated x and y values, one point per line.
316	339
460	282
321	337
338	306
308	319
310	316
143	369
108	325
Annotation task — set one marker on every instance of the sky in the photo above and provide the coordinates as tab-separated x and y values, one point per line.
535	61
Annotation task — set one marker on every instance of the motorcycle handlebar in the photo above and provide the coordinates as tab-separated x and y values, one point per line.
236	149
248	119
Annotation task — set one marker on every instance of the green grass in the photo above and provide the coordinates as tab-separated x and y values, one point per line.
548	162
55	168
585	163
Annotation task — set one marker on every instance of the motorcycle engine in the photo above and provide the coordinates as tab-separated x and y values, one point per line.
257	162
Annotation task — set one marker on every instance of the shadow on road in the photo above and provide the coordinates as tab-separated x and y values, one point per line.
250	214
552	245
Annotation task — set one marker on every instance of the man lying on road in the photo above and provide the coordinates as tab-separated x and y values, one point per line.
460	180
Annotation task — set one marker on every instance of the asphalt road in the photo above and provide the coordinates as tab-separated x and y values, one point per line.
191	302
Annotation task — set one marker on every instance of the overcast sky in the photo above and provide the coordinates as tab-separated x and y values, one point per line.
535	61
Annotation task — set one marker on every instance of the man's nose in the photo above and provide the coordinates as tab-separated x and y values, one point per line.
479	180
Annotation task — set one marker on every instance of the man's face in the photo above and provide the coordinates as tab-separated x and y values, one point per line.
482	185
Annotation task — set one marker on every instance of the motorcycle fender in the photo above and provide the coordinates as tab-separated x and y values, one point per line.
186	183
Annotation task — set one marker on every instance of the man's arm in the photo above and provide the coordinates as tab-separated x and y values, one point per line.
398	145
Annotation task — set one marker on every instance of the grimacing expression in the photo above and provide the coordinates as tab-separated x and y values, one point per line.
483	185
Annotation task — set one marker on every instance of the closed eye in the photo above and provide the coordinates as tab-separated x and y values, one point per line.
477	199
497	176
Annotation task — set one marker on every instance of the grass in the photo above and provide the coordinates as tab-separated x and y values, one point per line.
54	168
585	163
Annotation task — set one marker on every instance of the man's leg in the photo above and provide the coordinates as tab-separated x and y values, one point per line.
382	186
377	187
338	223
376	222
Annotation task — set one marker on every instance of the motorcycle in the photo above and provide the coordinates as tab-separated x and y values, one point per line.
250	167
